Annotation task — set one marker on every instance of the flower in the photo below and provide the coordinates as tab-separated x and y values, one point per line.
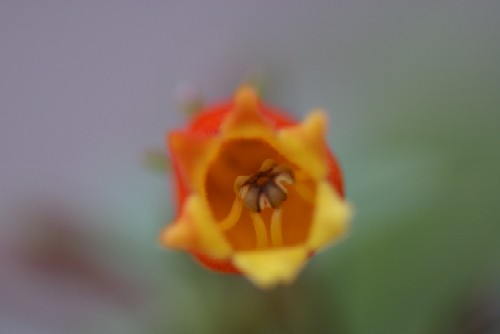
258	193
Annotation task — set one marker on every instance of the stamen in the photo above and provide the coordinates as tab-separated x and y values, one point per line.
276	228
274	195
252	199
233	216
260	230
243	191
266	188
281	179
263	202
267	165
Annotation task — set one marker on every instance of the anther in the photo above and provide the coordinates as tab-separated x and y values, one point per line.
266	188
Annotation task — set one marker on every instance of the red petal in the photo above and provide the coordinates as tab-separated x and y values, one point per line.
225	266
208	121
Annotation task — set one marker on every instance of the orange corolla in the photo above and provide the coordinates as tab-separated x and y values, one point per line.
257	192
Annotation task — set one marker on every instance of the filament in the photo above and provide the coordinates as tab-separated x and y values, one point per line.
233	216
276	228
260	229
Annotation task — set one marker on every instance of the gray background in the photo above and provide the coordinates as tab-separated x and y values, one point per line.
86	87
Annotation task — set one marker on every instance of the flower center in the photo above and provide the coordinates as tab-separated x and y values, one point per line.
258	198
266	189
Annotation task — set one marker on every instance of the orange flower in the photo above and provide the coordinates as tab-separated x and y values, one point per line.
257	192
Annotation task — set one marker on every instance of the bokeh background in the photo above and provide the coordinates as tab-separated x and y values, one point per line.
87	87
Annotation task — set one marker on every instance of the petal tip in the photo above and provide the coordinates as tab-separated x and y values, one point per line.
266	269
246	98
331	219
177	236
315	124
305	143
246	112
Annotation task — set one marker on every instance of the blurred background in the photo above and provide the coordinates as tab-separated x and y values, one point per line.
87	87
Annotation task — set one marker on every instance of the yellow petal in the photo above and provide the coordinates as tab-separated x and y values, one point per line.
246	112
270	267
304	144
178	235
210	239
191	153
330	218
